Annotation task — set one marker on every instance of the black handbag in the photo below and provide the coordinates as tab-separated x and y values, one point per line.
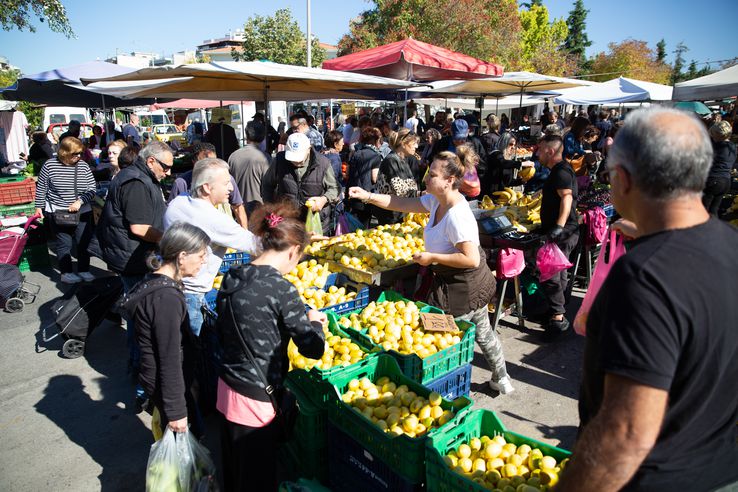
283	401
65	217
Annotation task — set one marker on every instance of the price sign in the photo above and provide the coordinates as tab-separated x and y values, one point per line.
438	322
348	108
222	115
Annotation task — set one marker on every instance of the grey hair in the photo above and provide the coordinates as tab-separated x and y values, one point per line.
665	162
156	150
203	173
180	237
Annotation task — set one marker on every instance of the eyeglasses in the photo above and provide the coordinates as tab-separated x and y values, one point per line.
77	154
165	167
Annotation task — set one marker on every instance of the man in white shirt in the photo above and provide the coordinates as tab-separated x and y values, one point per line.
211	186
412	122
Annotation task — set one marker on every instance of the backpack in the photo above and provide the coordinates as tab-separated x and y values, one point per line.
596	222
85	306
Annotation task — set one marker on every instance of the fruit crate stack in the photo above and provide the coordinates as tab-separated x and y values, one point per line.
17	191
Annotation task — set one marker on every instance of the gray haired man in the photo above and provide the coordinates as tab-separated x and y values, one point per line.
658	403
211	186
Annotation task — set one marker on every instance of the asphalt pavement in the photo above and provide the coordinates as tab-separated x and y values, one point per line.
70	424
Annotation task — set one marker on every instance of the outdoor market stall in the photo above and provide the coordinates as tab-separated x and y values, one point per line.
620	90
711	87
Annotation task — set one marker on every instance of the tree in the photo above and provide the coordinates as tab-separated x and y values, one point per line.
277	38
661	51
691	71
577	40
485	29
34	114
16	14
676	71
531	4
542	43
630	58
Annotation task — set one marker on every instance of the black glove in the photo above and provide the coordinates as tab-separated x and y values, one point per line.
556	233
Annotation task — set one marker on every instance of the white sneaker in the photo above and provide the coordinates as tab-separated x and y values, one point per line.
503	386
70	278
86	276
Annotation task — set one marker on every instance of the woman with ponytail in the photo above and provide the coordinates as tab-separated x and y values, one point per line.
157	305
463	284
259	312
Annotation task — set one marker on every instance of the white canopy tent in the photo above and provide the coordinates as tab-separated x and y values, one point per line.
717	85
620	90
496	104
7	105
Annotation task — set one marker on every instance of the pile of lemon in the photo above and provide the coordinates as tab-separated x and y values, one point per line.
372	250
339	352
308	274
494	463
395	409
319	298
396	326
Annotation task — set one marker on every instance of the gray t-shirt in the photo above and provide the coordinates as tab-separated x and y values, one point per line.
248	166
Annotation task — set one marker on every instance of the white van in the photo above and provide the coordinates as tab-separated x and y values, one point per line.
64	114
147	119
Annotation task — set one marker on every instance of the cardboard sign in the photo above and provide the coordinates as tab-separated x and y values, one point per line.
438	322
222	115
348	108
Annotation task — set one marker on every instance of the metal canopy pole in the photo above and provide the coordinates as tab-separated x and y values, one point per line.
243	127
222	122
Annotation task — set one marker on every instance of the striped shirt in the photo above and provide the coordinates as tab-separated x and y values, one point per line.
55	186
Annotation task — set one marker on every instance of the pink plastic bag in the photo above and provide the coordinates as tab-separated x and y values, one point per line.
596	222
510	263
551	260
602	268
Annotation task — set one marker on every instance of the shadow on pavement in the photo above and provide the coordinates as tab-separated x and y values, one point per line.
565	434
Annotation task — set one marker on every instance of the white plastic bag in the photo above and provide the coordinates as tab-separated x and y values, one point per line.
178	463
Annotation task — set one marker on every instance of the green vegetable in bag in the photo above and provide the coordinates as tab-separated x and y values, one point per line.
313	223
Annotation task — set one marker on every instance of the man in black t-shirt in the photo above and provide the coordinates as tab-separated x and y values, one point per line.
659	396
559	223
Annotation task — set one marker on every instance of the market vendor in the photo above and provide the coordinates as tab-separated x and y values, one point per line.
559	223
463	284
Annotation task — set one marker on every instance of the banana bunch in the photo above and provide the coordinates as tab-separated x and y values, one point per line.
527	173
508	196
525	215
487	203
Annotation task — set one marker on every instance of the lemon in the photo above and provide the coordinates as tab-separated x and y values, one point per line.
463	451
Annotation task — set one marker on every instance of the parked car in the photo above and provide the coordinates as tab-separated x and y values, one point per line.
56	129
169	134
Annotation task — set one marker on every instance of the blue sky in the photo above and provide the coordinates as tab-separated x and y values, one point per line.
166	26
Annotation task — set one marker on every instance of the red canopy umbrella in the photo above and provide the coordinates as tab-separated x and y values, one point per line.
414	60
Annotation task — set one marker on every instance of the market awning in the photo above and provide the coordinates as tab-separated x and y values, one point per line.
250	81
414	60
620	90
510	83
192	104
710	87
62	87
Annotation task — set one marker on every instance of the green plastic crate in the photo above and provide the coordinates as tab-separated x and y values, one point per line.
34	258
477	423
309	441
403	454
438	364
23	210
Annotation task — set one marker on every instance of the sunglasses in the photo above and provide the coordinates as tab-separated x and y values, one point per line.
165	167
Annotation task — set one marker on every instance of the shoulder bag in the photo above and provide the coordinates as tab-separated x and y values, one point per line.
65	217
282	399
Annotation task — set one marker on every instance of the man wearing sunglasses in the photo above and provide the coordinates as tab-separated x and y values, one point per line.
133	219
658	402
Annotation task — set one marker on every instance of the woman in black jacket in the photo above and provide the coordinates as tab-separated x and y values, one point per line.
157	305
258	313
363	169
500	164
395	175
718	181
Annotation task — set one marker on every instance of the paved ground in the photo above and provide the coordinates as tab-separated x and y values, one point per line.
69	424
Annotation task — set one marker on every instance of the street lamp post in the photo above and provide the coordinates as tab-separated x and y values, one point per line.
309	40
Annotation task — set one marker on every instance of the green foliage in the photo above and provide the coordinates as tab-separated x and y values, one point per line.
577	40
16	14
676	70
485	29
34	114
661	51
630	58
542	42
277	38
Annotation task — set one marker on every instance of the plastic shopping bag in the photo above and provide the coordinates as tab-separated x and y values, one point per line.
551	260
156	425
608	256
510	263
178	463
347	223
313	223
596	222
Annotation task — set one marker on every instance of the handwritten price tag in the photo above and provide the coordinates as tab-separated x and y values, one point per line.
437	322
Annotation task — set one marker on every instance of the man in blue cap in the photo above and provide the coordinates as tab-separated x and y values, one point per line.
459	136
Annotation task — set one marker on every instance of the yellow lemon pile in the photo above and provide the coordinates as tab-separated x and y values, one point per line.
217	281
395	409
497	464
339	352
308	274
373	250
396	326
319	298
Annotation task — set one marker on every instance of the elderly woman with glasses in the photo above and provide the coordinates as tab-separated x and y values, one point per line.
66	184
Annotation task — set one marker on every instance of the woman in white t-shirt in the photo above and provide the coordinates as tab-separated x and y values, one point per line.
463	285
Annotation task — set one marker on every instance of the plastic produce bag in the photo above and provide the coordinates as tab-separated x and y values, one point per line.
551	260
313	223
510	263
178	463
347	223
608	257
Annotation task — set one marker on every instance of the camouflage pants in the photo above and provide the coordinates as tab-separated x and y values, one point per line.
488	341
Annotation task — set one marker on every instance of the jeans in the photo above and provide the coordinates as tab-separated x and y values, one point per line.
66	236
713	193
195	302
488	341
555	287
